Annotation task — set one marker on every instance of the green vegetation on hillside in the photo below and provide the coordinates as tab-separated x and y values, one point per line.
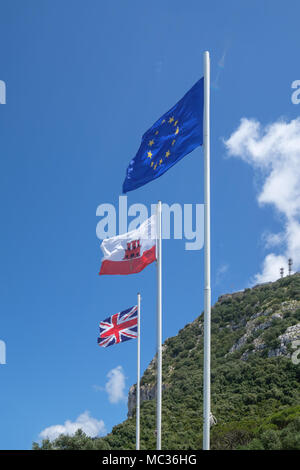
255	385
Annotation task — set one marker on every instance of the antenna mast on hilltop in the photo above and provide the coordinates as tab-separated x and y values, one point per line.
281	272
290	266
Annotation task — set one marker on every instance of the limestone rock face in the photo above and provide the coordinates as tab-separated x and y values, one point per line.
262	321
291	334
148	392
251	328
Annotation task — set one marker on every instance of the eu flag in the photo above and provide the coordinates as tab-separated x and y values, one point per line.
178	132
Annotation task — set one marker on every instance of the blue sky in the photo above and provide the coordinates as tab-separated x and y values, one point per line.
85	80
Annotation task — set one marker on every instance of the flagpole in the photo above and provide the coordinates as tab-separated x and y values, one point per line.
159	328
207	288
138	373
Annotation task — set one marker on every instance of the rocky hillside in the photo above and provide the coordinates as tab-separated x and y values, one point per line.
255	378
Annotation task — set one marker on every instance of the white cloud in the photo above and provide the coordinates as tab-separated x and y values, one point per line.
270	269
274	152
273	239
115	385
91	426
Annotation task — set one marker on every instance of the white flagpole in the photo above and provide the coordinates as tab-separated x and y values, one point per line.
138	373
207	288
159	328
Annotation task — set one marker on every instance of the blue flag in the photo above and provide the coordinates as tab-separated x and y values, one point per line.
177	133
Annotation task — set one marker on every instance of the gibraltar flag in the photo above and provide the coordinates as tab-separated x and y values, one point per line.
131	252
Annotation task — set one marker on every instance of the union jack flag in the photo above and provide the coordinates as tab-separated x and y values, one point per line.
119	327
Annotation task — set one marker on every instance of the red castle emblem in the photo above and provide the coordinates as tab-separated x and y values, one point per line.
133	250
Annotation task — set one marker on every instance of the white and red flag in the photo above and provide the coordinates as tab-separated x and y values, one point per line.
131	252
